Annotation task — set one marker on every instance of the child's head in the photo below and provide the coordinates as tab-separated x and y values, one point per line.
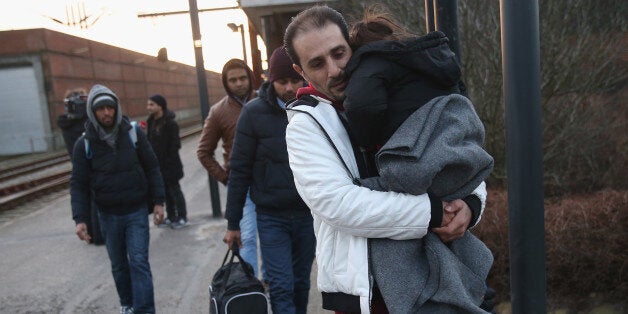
376	24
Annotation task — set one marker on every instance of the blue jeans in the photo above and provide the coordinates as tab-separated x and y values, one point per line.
248	233
127	238
288	247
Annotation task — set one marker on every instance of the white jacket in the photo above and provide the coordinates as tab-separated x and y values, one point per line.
346	215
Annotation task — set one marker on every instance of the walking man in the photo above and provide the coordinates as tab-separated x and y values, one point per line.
163	135
237	79
72	125
259	160
121	175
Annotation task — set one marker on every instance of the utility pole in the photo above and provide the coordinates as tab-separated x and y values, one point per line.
204	96
521	67
522	94
201	78
445	17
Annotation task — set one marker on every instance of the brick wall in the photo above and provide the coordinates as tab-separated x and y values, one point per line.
69	62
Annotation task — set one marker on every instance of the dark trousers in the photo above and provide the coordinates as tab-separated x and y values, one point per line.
288	247
175	202
126	238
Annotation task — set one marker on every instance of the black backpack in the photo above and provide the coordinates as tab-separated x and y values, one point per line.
235	289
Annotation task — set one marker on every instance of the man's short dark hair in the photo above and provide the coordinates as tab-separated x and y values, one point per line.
315	17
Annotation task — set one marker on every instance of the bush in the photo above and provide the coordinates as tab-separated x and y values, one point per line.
585	241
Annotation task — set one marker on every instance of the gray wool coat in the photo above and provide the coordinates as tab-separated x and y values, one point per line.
437	149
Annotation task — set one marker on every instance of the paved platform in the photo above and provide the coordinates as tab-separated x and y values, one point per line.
46	269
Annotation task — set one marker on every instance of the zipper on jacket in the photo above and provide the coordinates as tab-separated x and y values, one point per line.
370	274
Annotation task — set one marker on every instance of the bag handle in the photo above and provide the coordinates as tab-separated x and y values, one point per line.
235	251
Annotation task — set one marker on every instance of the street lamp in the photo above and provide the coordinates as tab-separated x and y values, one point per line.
239	27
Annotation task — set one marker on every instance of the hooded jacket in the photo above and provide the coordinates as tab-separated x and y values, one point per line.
259	160
163	135
121	178
392	79
220	124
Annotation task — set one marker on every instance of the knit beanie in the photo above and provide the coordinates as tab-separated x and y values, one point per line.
161	101
104	100
280	66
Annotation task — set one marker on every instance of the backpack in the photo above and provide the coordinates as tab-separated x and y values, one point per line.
132	136
235	289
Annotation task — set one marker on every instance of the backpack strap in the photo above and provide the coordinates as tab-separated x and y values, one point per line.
133	133
88	151
300	102
132	136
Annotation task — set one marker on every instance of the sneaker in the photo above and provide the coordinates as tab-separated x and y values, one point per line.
126	310
180	223
165	223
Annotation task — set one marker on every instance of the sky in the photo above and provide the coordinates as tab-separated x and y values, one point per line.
115	22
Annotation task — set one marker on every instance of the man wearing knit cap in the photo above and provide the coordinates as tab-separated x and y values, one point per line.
163	135
120	173
259	160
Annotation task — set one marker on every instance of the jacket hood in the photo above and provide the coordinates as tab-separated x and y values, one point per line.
237	63
429	55
267	93
96	91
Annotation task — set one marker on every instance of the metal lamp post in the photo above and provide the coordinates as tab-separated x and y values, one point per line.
239	27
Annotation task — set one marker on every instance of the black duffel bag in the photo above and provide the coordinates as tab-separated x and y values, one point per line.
235	289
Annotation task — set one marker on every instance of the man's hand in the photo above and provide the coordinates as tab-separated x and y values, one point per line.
455	228
232	236
81	232
158	214
448	213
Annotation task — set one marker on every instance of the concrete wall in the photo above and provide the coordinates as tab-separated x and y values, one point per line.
68	62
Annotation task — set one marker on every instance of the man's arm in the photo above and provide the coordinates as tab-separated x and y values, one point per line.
240	176
174	141
207	146
80	190
464	214
79	183
329	191
240	169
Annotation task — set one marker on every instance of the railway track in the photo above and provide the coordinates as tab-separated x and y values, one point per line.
13	194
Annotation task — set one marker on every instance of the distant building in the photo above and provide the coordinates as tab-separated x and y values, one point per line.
37	67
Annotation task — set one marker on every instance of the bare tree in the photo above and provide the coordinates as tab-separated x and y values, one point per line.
583	77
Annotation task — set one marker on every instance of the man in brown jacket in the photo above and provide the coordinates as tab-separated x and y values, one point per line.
237	78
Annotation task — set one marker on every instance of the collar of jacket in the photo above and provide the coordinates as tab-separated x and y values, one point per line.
310	90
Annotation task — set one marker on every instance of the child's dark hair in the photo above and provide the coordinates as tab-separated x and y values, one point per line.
376	24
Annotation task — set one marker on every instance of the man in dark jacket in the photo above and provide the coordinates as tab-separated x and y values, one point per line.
163	135
121	175
260	160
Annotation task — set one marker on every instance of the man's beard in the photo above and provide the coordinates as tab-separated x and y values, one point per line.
242	94
287	96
